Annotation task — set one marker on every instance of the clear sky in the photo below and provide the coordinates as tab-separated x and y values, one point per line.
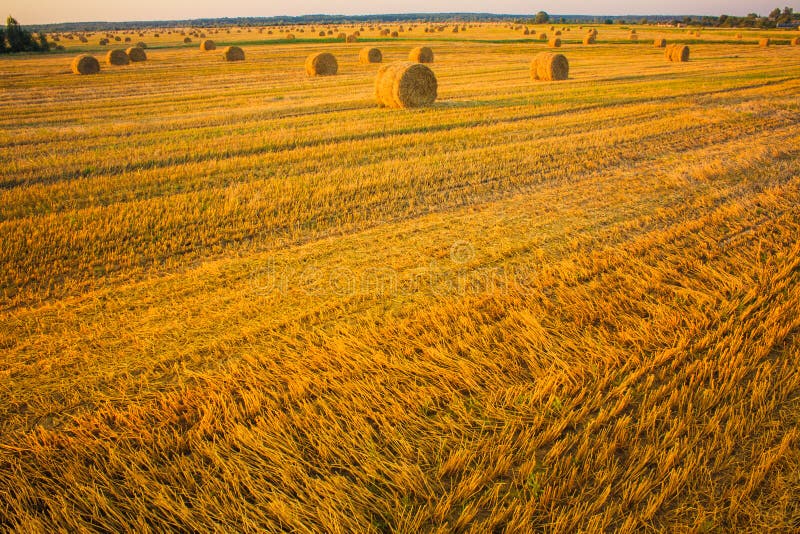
43	11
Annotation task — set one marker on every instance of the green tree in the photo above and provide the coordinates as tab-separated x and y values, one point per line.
19	40
775	13
541	17
3	48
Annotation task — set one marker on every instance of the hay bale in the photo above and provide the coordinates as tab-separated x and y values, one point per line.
322	34
233	53
370	55
558	33
555	42
136	54
633	37
351	39
342	36
85	64
739	36
141	44
103	42
405	85
548	66
394	34
542	36
589	39
321	64
117	57
764	42
290	37
206	45
127	39
677	53
660	42
187	40
421	54
795	41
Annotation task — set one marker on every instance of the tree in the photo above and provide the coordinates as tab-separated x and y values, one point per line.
541	17
775	13
44	46
3	48
19	40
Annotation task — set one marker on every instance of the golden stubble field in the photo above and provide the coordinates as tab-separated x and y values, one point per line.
235	298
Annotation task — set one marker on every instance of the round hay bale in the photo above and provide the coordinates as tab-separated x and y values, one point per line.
526	32
764	42
542	36
555	42
103	42
558	33
455	29
633	37
421	54
370	55
677	53
351	39
85	64
233	53
322	34
394	34
127	39
206	45
141	44
117	57
589	39
136	54
117	39
405	85
342	36
549	66
795	41
290	37
321	64
660	42
187	40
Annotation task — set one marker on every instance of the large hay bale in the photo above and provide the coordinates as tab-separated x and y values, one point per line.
421	54
549	66
555	42
117	57
764	42
233	53
677	53
660	42
206	45
370	55
321	64
136	54
141	44
85	64
351	39
589	39
405	85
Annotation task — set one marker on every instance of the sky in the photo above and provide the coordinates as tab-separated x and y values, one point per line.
45	11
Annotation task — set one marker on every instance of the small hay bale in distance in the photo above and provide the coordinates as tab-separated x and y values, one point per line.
187	40
764	42
421	54
322	34
290	37
405	84
558	33
555	42
351	39
233	53
589	39
677	53
342	36
394	34
136	54
117	57
795	41
85	64
633	37
322	64
549	66
141	44
370	55
206	45
660	42
542	36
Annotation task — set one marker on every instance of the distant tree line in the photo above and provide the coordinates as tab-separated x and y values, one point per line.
15	38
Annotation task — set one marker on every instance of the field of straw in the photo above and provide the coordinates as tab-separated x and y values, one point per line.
234	297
